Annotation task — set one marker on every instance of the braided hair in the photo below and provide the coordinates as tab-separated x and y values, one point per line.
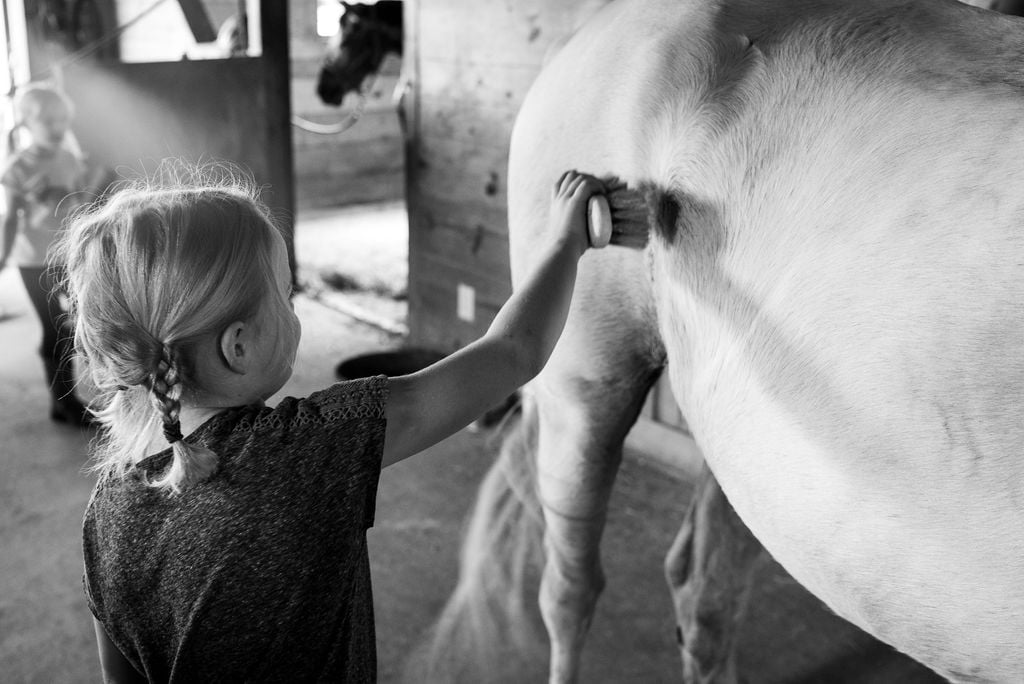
192	463
165	388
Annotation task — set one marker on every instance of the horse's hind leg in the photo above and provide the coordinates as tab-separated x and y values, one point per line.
583	423
731	599
710	567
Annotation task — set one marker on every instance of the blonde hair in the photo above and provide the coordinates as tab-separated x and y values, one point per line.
158	266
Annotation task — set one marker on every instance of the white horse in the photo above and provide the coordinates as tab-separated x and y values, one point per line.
835	277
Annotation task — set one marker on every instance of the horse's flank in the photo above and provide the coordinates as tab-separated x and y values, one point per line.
840	295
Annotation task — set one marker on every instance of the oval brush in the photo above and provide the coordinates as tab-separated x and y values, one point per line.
618	217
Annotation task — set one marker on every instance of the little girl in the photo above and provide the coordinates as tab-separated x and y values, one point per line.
226	540
38	182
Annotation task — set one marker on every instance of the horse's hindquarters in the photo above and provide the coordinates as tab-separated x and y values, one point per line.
838	288
897	518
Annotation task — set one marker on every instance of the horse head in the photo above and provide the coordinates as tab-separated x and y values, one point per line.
366	34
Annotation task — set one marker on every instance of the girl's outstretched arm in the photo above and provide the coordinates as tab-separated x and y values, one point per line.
425	407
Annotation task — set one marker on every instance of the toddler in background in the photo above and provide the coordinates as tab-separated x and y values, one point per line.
39	182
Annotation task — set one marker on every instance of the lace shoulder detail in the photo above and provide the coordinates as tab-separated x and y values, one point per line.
365	398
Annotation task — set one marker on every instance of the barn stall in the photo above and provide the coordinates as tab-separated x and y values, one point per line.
157	91
466	86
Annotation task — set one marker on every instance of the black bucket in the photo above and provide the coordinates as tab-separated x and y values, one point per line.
390	363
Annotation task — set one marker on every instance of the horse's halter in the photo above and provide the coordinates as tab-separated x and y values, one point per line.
379	31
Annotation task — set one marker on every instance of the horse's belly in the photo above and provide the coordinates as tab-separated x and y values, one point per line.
930	562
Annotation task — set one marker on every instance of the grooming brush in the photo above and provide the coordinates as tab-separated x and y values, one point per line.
619	216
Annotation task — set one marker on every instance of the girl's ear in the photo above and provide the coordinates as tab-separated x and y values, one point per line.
236	347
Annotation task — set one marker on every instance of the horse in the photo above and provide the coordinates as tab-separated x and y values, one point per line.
834	284
366	35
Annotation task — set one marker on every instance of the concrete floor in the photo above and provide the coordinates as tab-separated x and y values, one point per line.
45	629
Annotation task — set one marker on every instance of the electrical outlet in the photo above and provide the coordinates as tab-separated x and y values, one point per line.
465	300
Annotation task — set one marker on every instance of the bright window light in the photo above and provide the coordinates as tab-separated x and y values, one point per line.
328	14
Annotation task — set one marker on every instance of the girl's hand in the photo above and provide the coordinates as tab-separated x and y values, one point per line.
568	218
425	407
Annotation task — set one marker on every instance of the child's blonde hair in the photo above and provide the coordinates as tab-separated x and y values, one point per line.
161	264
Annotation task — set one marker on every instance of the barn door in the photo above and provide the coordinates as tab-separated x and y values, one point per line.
129	115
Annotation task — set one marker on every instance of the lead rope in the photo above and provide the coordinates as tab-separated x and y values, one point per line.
340	126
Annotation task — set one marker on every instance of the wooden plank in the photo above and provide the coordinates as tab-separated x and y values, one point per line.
447	119
494	219
302	26
275	62
467	177
433	320
477	85
443	152
370	155
476	247
358	187
339	183
198	20
211	108
519	33
492	287
327	162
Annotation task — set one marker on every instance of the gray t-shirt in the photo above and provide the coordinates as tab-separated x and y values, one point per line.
261	573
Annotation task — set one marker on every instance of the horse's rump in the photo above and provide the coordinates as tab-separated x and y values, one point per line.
837	286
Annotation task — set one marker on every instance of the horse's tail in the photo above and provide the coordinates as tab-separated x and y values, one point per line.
489	630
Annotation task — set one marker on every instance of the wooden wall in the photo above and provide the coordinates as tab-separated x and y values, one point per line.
129	116
471	63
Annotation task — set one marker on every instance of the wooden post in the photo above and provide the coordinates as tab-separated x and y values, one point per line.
198	20
276	72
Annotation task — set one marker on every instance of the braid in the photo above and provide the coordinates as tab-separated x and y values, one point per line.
192	463
166	391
